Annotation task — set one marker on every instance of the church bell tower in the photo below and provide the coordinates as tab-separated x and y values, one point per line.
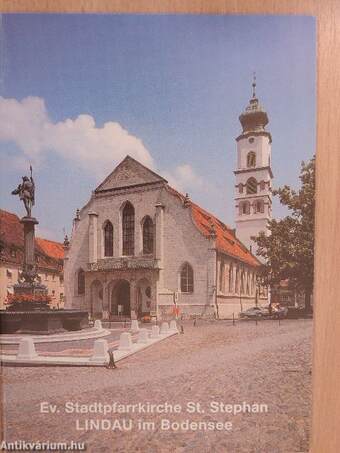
253	174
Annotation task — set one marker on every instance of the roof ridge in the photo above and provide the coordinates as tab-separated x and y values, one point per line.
229	245
49	240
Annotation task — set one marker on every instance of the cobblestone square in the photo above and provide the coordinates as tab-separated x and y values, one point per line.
212	365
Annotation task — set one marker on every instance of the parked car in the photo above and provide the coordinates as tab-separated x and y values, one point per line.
255	312
276	311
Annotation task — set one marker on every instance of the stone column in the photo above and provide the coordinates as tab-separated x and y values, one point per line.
93	237
133	295
106	301
29	245
85	301
160	241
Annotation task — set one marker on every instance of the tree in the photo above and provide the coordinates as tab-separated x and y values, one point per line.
288	250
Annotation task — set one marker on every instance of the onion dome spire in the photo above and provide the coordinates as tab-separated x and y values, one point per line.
254	118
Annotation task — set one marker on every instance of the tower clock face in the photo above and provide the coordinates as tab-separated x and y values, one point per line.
251	140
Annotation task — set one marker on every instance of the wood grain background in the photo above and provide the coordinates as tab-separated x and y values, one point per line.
326	367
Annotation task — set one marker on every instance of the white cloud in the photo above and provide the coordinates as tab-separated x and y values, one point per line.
27	124
97	150
185	179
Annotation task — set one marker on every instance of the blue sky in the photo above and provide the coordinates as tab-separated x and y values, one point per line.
79	91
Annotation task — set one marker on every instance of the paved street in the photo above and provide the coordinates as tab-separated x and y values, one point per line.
267	364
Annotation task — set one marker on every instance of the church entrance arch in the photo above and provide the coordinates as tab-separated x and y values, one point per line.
96	301
120	299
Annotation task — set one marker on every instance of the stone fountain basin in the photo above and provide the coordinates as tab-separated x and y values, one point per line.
42	322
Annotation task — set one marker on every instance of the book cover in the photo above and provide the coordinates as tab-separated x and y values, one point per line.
157	232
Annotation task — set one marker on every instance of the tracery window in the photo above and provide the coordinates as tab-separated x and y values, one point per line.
128	229
108	239
187	279
148	232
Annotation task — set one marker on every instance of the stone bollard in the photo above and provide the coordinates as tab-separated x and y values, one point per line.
27	349
100	351
173	326
154	332
164	328
125	342
143	336
134	325
98	324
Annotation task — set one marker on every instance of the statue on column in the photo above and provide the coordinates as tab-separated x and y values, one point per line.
26	190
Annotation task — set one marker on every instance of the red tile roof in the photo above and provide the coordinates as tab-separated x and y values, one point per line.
50	253
226	241
11	230
51	248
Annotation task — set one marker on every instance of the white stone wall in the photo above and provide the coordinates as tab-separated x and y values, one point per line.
261	146
250	227
183	242
232	296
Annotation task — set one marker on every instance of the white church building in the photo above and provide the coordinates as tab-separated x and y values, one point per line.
140	247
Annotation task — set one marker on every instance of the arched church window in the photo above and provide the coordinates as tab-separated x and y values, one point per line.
240	188
187	279
81	282
128	229
108	239
251	186
259	206
147	236
262	185
251	159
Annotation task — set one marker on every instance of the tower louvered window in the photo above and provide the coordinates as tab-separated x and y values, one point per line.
251	186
